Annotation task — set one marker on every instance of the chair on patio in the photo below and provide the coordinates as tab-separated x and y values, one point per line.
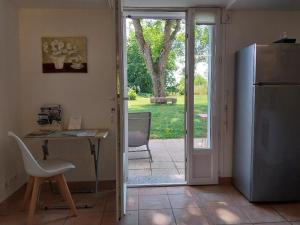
139	131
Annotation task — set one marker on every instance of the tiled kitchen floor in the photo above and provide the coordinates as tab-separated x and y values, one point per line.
182	205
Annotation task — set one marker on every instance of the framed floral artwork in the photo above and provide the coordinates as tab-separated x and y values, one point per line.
64	55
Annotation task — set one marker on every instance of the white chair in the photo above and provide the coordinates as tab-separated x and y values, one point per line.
38	173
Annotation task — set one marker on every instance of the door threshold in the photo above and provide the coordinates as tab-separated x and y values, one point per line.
157	185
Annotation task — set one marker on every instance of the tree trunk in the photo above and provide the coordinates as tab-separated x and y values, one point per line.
158	83
157	68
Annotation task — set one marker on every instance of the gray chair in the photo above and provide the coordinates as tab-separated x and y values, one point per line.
139	131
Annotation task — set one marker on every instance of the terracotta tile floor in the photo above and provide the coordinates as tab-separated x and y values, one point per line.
181	205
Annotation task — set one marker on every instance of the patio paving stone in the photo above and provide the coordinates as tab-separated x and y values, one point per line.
162	165
180	165
167	165
139	164
134	173
164	172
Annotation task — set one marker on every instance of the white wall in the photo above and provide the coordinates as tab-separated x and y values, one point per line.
245	28
10	161
90	95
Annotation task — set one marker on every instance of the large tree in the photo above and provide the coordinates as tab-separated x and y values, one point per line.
156	63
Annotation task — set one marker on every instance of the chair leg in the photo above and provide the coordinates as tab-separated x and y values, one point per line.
63	184
28	191
150	155
33	201
61	190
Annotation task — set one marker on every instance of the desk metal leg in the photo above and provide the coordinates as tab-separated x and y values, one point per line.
45	149
96	160
45	155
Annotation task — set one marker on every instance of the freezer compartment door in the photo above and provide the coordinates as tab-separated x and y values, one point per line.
277	63
276	154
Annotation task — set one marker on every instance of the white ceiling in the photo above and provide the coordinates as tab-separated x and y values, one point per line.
175	3
267	4
230	4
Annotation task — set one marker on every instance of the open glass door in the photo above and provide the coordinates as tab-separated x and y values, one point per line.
156	75
202	102
122	145
124	109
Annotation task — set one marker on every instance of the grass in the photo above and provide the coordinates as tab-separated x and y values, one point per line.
168	120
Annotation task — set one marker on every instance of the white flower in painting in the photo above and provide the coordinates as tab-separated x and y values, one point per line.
71	52
45	47
45	44
57	47
54	49
60	45
56	53
54	42
69	46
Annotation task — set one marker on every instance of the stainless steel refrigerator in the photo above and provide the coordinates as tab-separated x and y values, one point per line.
266	159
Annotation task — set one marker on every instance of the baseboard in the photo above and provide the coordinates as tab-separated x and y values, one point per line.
87	185
225	180
102	185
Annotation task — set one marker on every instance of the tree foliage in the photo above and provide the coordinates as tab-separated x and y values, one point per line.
201	43
153	31
138	75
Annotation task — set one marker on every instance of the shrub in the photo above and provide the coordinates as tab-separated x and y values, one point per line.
132	94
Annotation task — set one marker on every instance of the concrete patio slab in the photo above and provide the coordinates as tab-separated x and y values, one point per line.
163	170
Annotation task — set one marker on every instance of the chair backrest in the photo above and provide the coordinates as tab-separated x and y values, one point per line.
138	128
32	167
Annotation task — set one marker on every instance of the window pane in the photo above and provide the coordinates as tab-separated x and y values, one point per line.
202	79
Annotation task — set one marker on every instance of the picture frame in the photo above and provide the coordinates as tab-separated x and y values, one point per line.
64	55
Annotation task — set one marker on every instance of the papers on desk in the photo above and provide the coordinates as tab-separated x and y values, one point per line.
40	133
80	133
93	133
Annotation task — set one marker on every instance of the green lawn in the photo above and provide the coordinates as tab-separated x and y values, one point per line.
168	120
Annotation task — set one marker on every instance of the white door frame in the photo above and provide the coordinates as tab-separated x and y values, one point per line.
122	97
156	14
207	157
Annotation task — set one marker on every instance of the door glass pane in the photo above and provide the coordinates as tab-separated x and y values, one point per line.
202	82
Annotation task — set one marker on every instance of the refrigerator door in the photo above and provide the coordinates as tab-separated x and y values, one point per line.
243	120
276	152
277	64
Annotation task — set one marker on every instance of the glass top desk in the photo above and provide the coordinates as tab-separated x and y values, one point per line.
93	136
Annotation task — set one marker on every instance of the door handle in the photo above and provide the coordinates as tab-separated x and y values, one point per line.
126	98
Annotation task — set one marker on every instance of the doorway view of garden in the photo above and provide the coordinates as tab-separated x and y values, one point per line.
156	85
